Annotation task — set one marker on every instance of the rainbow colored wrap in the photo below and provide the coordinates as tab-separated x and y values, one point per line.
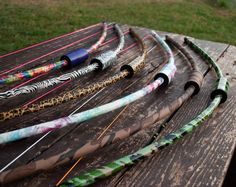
33	72
92	113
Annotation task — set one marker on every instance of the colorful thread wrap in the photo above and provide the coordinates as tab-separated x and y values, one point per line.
86	115
115	166
90	146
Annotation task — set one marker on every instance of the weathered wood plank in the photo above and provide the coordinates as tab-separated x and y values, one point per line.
228	65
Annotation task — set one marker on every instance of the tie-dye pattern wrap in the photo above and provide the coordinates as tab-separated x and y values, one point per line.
115	166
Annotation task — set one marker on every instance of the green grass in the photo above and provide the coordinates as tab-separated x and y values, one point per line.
24	22
224	3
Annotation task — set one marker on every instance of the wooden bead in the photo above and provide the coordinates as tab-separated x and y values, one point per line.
195	80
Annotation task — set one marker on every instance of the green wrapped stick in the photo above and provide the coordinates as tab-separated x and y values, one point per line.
222	84
219	95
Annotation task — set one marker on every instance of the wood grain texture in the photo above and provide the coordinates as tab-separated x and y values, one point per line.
200	159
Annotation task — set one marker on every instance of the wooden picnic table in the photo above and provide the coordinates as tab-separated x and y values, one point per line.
202	158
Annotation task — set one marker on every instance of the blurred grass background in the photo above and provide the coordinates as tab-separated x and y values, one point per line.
24	22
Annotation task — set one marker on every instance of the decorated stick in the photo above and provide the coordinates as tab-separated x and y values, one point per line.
68	61
219	95
61	79
163	77
92	145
